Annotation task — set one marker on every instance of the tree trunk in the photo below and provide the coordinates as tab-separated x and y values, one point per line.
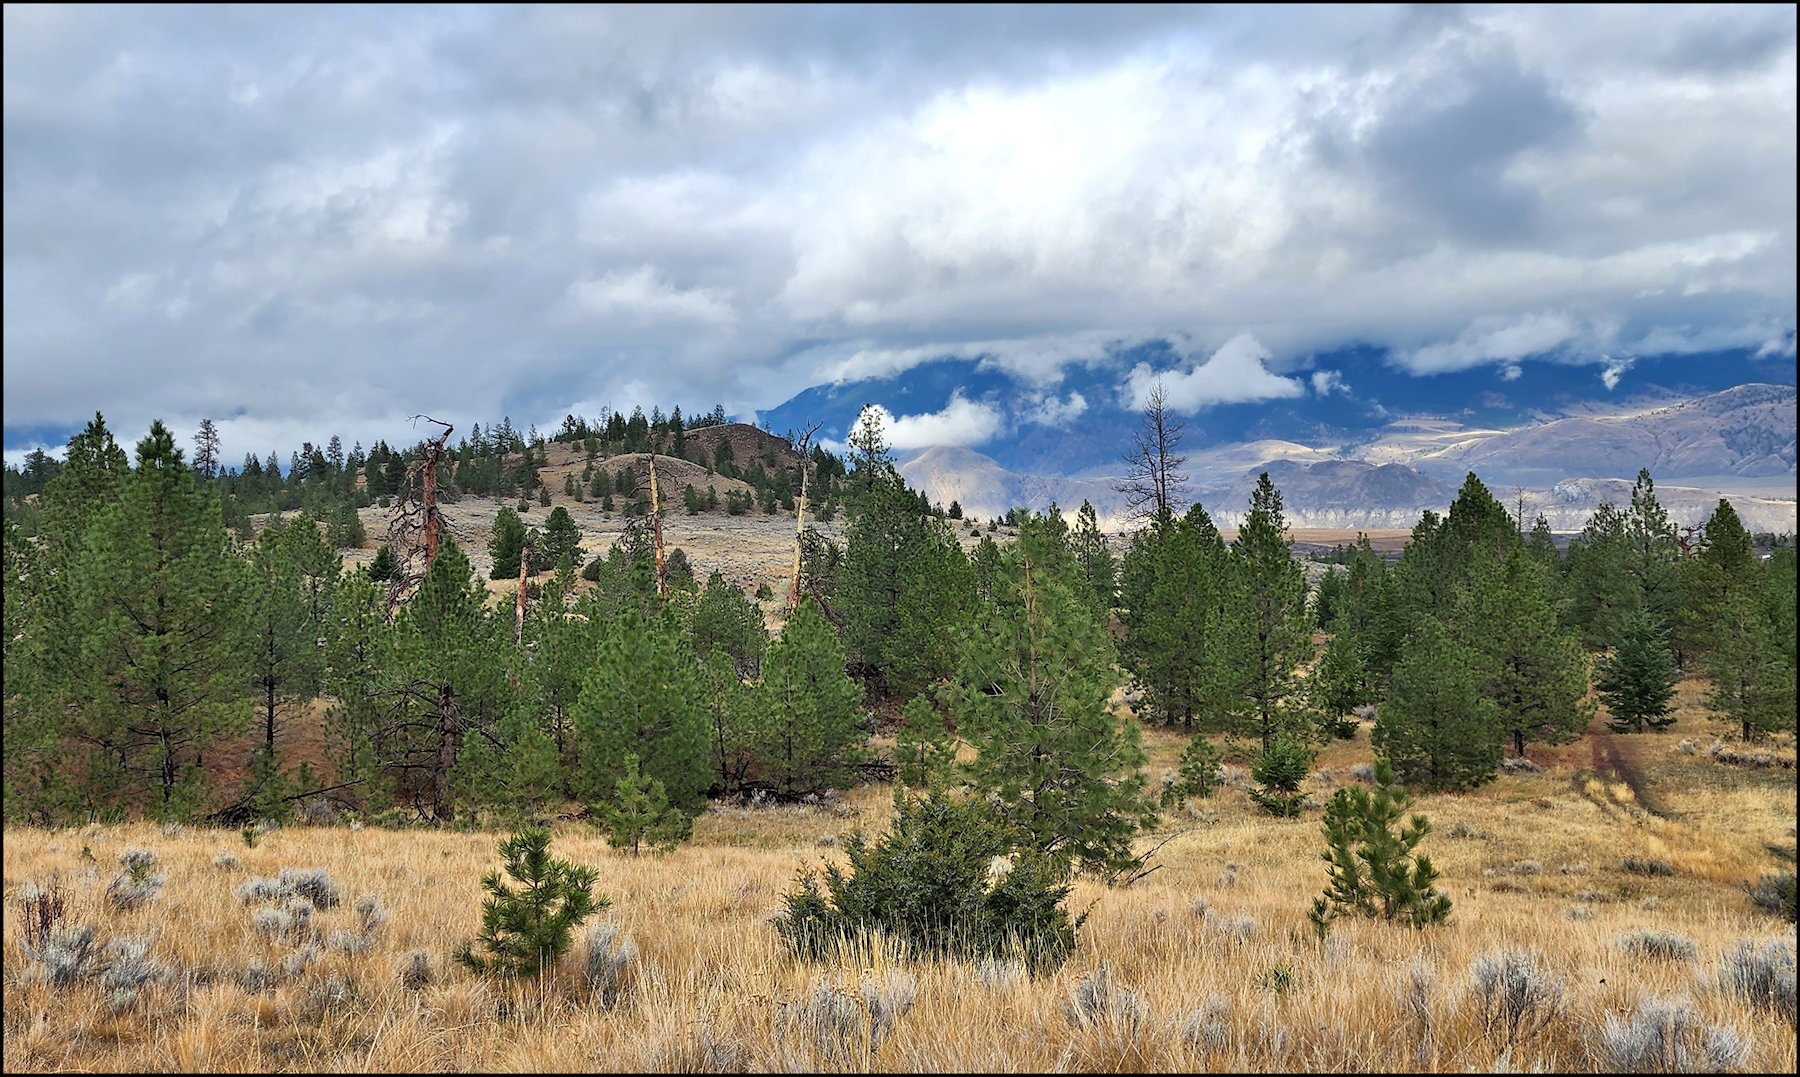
519	605
793	601
446	753
662	579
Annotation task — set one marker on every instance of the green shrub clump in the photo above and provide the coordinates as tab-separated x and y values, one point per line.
932	883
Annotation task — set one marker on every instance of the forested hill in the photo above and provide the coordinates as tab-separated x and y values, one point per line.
159	664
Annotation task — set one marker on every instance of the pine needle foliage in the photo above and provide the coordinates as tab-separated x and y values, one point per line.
525	929
927	883
1373	871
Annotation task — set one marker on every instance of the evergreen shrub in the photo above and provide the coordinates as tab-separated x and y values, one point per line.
927	884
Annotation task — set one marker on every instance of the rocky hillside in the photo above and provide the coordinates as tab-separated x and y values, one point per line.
1745	431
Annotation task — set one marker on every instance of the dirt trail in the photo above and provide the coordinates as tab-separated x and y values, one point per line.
1617	759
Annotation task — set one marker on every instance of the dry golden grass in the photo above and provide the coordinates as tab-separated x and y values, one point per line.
711	984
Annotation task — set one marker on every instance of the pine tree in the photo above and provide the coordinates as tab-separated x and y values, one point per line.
1032	695
924	751
1653	551
29	743
728	712
641	695
1373	871
1435	726
44	642
286	665
1752	679
639	813
1535	672
726	621
562	537
1339	683
1099	570
1197	774
904	590
356	672
1280	770
1602	589
1638	679
206	449
807	736
1724	567
1177	608
450	692
1275	635
525	930
507	545
155	615
381	568
1540	544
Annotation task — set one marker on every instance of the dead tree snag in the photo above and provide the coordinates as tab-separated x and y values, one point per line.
662	579
805	447
416	526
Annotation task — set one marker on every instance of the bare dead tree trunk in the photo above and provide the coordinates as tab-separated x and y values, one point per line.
432	449
662	579
1153	482
519	606
805	445
416	520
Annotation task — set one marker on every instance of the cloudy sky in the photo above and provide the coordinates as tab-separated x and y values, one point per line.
308	221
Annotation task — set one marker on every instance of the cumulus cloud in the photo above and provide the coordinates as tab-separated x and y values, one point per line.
961	422
506	210
1050	410
1234	374
1326	382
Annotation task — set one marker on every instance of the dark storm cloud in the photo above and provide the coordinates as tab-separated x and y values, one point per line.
306	220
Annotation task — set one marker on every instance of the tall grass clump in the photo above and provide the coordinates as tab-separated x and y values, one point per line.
1669	1036
138	883
1094	1002
1661	945
1761	975
887	998
64	957
1517	1000
927	885
827	1019
609	957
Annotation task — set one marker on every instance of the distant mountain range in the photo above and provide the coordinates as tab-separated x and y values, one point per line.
1354	443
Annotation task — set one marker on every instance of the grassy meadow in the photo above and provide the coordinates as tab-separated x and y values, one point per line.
1209	961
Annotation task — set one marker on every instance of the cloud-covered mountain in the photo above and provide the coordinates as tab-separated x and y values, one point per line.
1354	438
